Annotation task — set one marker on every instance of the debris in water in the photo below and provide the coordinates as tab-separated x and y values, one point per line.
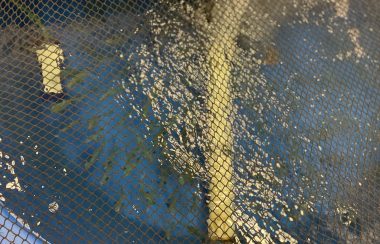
53	207
14	185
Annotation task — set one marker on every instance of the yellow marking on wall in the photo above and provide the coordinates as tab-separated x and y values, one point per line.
226	20
50	56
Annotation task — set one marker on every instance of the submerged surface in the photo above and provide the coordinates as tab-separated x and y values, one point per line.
120	154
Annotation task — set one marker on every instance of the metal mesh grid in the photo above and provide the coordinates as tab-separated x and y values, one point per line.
189	121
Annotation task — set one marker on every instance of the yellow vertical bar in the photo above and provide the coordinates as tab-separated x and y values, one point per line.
50	57
226	20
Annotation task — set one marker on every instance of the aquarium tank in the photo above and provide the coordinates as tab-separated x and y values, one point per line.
190	121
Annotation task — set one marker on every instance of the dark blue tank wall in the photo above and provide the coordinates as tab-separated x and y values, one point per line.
319	88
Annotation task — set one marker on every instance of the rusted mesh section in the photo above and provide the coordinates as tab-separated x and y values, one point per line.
189	121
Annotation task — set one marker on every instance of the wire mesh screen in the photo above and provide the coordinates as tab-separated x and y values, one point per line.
191	121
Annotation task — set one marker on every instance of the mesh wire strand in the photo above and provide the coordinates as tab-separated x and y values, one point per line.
189	121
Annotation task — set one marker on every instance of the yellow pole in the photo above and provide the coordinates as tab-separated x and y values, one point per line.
50	56
226	18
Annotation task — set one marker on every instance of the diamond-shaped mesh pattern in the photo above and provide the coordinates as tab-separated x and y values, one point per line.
149	121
